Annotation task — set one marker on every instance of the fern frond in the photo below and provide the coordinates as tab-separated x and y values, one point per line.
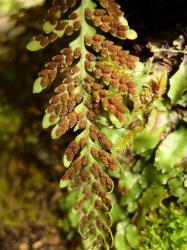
89	76
124	141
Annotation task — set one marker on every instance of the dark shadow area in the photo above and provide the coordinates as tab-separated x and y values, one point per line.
161	19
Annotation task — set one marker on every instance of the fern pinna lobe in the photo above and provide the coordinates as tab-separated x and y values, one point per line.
92	83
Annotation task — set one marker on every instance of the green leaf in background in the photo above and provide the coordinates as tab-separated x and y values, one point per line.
132	190
14	5
151	134
120	242
176	186
172	150
152	197
178	84
132	236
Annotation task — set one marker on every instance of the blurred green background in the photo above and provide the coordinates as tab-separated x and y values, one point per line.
30	167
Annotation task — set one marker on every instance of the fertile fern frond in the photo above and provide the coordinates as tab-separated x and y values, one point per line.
91	76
